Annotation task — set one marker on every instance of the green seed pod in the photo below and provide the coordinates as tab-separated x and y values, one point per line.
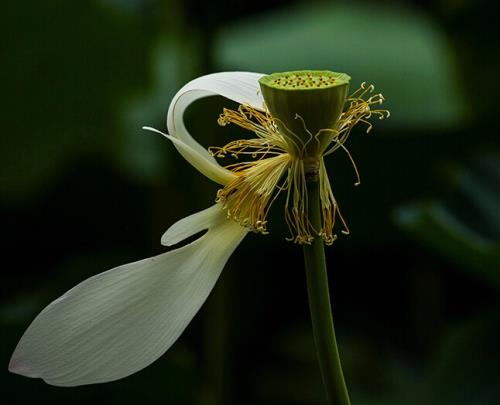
306	105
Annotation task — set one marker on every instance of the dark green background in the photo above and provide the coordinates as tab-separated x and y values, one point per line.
415	287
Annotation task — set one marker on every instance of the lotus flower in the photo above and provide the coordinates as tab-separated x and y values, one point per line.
120	321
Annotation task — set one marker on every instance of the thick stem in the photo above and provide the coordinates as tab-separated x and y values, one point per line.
319	303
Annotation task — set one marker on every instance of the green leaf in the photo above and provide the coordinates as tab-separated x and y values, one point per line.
400	50
466	227
138	153
467	366
63	82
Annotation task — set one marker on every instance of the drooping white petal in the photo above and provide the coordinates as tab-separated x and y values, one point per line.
191	225
200	163
241	87
118	322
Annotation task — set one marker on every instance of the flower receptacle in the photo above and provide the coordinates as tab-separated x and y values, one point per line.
306	106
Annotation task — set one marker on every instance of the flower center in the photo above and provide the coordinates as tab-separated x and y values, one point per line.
303	80
305	102
275	162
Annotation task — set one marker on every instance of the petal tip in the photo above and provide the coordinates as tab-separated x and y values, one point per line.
156	131
17	366
166	240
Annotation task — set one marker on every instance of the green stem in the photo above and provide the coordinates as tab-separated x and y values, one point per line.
321	312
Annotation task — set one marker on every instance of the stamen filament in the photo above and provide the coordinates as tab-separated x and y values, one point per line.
279	165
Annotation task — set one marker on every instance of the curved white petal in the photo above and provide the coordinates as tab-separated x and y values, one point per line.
241	87
200	163
118	322
191	225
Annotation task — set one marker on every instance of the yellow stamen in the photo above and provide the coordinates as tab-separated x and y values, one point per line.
261	123
329	207
280	165
247	199
359	110
296	205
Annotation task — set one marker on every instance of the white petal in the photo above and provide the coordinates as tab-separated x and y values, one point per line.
191	225
208	168
118	322
241	87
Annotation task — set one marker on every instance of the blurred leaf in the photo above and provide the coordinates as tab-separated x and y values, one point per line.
480	184
63	78
398	49
21	308
463	371
373	377
139	153
467	229
125	6
294	376
467	367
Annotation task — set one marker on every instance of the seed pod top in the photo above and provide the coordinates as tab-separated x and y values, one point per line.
305	102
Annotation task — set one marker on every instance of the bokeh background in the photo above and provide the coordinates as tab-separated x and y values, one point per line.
415	287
